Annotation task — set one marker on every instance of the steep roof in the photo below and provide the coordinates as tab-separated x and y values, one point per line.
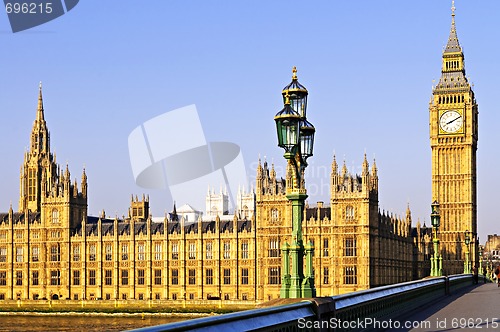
453	45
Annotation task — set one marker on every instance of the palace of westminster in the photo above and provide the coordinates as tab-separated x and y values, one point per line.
51	248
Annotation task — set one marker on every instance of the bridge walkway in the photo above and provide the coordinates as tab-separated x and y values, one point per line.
475	307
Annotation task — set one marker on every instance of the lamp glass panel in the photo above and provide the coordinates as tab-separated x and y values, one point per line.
292	134
306	144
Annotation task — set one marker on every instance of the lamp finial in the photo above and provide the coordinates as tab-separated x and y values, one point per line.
287	99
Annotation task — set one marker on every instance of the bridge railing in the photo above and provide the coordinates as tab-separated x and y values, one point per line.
388	301
280	318
318	314
458	281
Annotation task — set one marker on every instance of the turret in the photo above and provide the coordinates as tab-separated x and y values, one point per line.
374	176
364	167
258	178
75	188
365	175
408	212
334	176
67	174
335	166
174	215
139	209
266	176
44	188
84	183
344	170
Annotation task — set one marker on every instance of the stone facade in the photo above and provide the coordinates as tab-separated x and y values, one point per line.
51	249
492	246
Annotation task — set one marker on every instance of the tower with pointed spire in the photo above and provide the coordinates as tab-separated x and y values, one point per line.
52	208
39	163
44	187
453	113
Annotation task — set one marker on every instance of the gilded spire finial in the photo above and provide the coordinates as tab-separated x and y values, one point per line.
453	14
294	71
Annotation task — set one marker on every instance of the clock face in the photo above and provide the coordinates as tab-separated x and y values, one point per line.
451	121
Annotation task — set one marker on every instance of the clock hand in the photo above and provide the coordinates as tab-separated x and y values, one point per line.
453	120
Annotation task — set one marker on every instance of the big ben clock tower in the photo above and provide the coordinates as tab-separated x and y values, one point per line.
453	135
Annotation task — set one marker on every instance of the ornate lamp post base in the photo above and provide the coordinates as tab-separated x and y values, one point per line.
285	279
296	251
296	248
436	260
308	289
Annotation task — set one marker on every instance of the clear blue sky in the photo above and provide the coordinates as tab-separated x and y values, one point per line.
108	66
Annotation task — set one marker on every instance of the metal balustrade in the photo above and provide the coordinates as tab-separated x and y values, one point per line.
281	318
457	281
387	302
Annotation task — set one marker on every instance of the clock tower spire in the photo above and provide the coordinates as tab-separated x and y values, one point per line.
453	122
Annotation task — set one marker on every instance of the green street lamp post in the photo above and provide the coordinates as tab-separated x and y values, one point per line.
296	137
436	259
467	265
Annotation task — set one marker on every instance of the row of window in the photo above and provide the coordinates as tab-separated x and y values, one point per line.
140	296
54	254
349	214
209	276
33	235
274	277
209	250
108	277
350	275
349	248
157	296
55	251
55	278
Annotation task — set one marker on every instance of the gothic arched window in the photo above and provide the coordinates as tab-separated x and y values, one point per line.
274	250
349	212
55	216
274	215
245	212
32	184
